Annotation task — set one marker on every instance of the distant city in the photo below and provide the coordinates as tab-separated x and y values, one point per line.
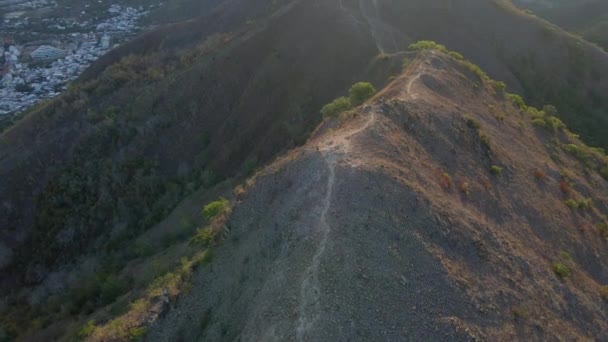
40	56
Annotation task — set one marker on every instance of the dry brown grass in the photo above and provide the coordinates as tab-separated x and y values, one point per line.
445	181
604	292
540	175
464	186
133	324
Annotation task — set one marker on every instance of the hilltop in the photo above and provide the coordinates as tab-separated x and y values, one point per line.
440	209
102	188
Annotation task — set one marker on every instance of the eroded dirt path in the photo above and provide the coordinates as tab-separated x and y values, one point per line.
408	89
340	142
310	291
333	151
336	148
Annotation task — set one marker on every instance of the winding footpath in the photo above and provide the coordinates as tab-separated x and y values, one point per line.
310	291
408	89
335	148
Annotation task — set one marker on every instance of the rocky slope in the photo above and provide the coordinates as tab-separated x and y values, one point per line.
87	178
435	211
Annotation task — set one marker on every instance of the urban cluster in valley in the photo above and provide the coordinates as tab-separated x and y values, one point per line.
38	65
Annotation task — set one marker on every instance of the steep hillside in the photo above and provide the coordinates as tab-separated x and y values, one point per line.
84	176
587	18
182	118
439	210
87	177
179	93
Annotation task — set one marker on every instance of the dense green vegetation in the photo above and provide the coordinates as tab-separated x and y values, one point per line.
105	195
496	170
215	208
337	106
561	270
360	92
357	95
422	45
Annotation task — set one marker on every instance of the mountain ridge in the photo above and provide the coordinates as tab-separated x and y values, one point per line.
422	258
103	187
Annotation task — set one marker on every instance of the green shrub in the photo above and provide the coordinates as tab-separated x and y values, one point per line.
474	68
406	62
249	166
336	107
111	289
561	270
546	118
499	87
431	45
578	151
86	330
456	55
216	208
472	123
534	112
204	259
136	334
360	92
565	256
464	187
383	56
485	140
540	122
550	110
428	45
604	292
517	100
572	204
585	203
520	312
555	123
496	170
528	12
203	236
604	172
602	229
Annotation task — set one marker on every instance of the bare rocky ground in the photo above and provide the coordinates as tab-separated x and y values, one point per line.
389	225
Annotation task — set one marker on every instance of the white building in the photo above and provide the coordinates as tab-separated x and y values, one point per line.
47	52
105	42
